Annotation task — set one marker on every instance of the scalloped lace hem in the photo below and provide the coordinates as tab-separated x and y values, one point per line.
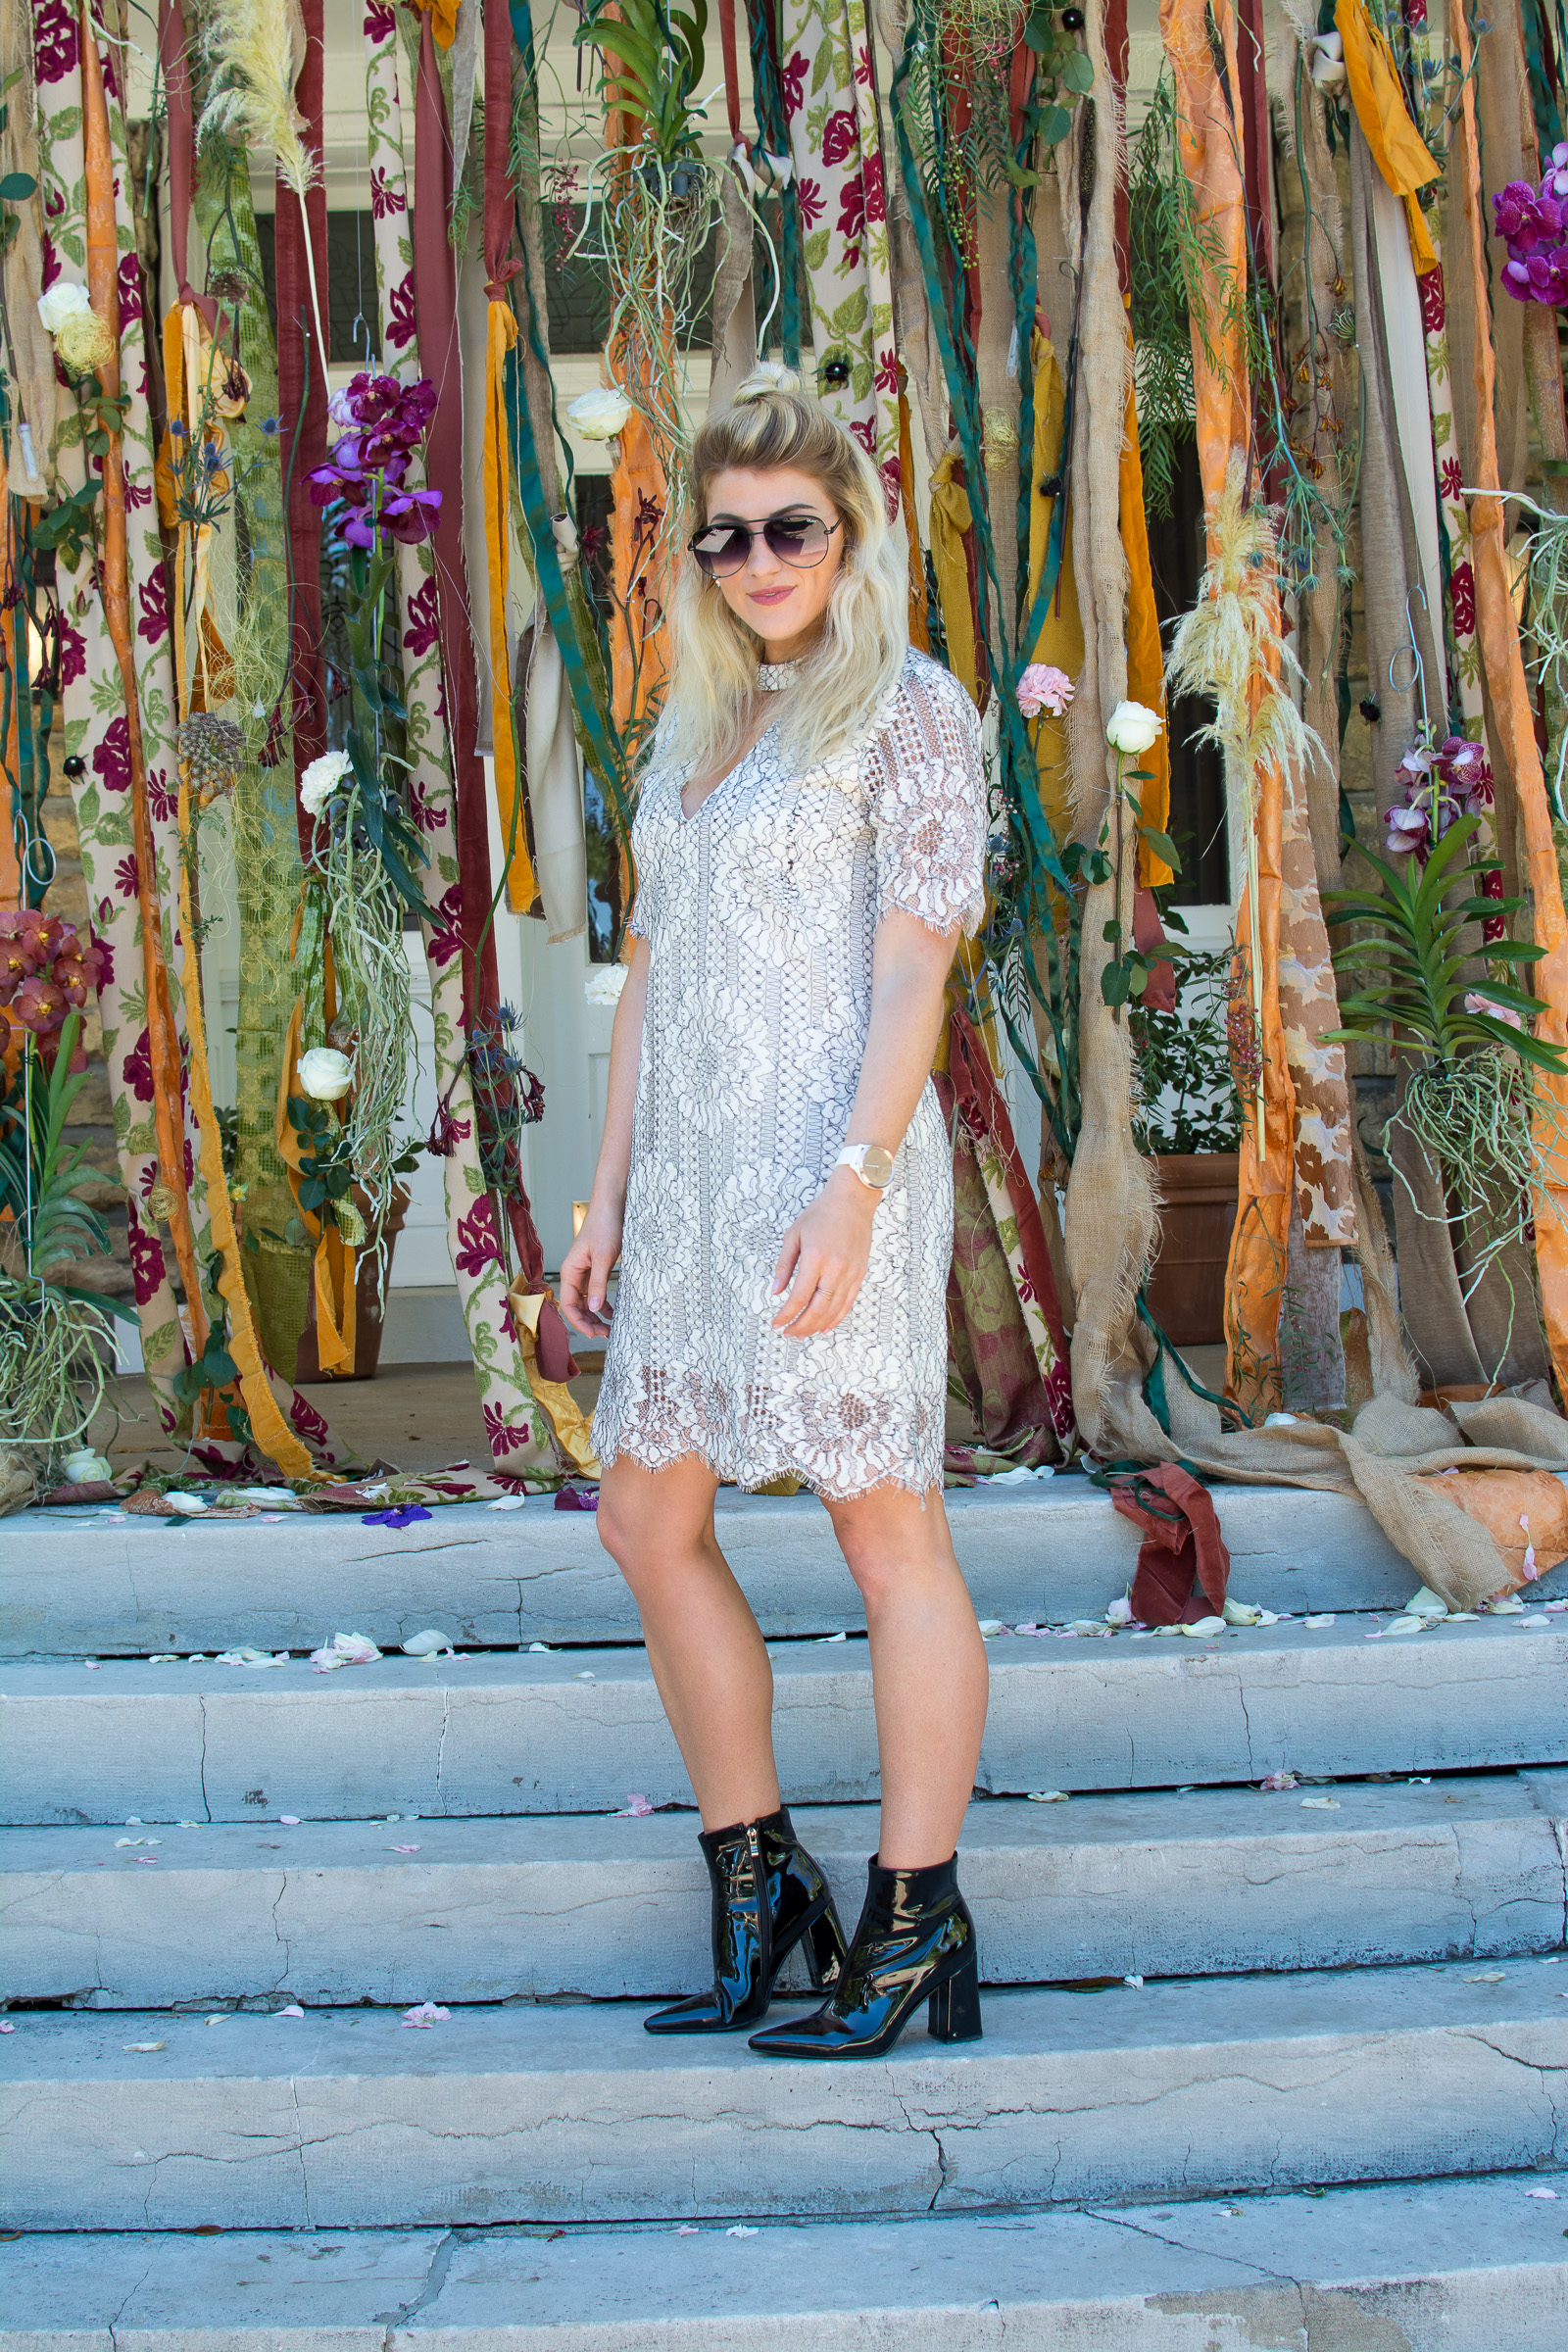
755	1478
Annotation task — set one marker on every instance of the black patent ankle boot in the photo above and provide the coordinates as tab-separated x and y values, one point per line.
767	1895
915	1942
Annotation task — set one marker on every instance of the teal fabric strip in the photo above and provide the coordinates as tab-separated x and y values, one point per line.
608	759
773	132
944	308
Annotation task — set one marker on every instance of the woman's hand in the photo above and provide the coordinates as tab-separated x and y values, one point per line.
587	1267
823	1260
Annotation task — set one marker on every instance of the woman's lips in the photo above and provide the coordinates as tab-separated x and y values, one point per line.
768	596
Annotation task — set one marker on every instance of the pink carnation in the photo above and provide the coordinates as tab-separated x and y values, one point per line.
1041	687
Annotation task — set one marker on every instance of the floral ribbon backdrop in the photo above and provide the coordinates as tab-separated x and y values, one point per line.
1210	359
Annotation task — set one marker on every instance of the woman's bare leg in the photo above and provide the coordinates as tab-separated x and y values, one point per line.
928	1668
705	1647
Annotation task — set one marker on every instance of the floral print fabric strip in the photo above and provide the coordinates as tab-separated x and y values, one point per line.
518	1429
760	912
829	77
97	732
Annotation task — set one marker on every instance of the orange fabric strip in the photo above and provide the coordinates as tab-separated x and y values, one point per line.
1497	630
1145	657
1210	145
103	290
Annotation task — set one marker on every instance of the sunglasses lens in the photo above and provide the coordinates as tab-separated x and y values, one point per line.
722	550
799	539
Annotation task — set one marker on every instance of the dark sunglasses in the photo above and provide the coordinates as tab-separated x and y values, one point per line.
799	540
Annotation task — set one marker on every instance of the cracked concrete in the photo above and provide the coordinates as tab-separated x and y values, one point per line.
537	1573
1463	2265
573	1730
568	2114
1218	1882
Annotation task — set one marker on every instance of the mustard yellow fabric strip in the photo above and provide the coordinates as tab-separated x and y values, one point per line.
1399	150
951	517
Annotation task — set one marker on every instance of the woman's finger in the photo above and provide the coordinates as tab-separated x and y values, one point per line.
805	1280
788	1256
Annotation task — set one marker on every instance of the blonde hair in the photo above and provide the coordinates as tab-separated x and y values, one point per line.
865	629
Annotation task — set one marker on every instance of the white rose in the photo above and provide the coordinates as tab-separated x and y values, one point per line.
1132	727
321	779
63	302
85	1468
604	983
599	416
325	1074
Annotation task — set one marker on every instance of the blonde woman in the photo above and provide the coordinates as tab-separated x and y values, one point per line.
776	1180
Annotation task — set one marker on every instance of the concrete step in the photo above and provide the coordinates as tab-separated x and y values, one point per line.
1450	2265
99	1583
576	1730
1214	1882
570	2112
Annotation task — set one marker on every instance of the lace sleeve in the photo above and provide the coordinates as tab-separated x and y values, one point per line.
928	803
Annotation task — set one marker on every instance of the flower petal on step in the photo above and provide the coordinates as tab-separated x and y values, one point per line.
426	2013
144	2045
1488	1976
293	2010
741	2231
1048	1796
288	1821
1551	2194
1321	1804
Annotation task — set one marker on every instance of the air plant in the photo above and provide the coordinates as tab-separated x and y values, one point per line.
1468	1102
56	1339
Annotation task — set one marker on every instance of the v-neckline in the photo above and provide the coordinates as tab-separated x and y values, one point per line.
727	778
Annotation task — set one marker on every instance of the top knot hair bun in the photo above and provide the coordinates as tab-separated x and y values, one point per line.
766	377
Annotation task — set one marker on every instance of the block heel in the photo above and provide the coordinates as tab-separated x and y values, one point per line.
953	2013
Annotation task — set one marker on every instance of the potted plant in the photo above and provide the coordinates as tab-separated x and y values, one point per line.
1189	1121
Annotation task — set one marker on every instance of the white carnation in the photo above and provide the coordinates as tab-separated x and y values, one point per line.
599	416
604	983
1132	727
325	1074
63	302
321	779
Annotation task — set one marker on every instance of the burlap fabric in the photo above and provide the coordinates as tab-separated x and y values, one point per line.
1110	1219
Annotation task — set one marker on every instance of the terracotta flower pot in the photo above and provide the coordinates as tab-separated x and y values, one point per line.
367	1322
1187	1286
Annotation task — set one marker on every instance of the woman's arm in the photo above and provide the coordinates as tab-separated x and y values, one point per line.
591	1260
828	1247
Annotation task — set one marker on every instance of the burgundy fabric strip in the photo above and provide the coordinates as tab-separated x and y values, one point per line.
302	416
177	90
435	305
498	216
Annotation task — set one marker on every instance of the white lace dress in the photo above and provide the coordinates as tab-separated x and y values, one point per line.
759	913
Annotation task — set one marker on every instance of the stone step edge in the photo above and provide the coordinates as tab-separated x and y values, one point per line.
1100	1886
1473	2263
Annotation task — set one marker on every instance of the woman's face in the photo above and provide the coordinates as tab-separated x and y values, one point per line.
783	601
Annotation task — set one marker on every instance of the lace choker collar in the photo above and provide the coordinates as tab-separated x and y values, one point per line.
773	676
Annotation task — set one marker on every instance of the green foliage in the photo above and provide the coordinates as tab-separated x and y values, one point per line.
1187	1095
326	1171
56	1343
1415	952
1167	252
651	69
39	1174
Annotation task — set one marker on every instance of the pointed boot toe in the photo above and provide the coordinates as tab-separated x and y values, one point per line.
915	1942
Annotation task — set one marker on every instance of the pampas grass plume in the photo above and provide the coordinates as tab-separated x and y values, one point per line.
1221	647
255	49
